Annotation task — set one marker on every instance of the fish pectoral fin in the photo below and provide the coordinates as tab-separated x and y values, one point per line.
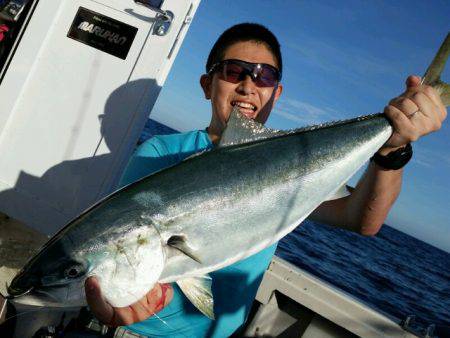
198	291
343	191
240	129
180	243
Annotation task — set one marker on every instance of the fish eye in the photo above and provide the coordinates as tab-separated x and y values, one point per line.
74	271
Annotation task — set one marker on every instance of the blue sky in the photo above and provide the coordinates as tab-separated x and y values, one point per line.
341	60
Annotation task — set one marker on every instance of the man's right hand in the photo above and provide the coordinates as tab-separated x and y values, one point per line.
155	300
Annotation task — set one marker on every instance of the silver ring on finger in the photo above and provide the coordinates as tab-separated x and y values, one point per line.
413	113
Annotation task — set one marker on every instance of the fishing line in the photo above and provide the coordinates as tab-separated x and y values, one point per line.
3	308
23	313
170	326
164	322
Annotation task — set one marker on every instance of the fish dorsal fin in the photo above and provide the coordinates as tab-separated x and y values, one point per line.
180	243
198	291
240	129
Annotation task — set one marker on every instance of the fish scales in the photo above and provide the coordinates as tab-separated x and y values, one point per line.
248	195
231	199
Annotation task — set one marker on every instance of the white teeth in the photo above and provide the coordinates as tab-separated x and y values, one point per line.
244	105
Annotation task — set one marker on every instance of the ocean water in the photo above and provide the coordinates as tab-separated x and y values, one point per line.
392	272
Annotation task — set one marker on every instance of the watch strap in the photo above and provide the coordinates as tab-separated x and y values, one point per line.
395	159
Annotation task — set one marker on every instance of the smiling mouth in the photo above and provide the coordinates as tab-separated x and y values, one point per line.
245	108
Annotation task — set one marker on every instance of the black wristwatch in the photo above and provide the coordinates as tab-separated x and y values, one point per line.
395	159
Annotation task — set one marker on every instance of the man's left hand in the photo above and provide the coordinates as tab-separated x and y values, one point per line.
416	112
155	300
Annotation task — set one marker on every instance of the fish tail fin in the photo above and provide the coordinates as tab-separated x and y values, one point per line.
432	76
198	291
444	90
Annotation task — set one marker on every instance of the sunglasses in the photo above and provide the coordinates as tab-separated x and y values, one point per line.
234	71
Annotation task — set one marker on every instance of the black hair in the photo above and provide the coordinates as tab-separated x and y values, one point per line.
244	32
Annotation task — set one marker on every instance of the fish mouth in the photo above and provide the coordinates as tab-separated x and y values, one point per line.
21	285
43	297
44	294
17	292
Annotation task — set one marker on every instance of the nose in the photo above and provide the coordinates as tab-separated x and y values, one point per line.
246	86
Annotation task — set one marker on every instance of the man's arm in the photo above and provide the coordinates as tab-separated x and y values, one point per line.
415	113
365	210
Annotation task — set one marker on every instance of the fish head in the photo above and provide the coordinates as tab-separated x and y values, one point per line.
51	274
127	264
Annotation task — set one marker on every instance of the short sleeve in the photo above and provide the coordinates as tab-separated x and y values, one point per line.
163	151
150	157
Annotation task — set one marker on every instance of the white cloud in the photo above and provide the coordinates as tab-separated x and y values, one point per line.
424	163
304	113
430	157
351	61
348	63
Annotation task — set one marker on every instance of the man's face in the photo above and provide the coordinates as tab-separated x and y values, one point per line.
254	102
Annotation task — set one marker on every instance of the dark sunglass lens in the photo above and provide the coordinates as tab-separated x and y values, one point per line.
267	77
232	72
235	71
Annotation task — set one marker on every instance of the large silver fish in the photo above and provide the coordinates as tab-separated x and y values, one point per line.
207	212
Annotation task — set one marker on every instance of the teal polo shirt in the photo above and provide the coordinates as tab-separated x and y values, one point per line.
234	287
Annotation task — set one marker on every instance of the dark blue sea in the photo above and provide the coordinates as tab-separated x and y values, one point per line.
392	272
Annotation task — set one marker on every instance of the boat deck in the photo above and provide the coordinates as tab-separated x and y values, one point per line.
293	303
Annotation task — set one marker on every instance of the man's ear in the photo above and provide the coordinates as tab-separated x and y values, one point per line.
278	92
205	82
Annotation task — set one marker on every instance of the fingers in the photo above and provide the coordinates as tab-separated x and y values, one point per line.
155	300
169	294
125	316
400	122
162	296
436	99
405	105
413	85
429	117
412	81
416	112
99	307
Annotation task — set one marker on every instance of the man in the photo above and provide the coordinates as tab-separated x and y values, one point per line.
244	70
